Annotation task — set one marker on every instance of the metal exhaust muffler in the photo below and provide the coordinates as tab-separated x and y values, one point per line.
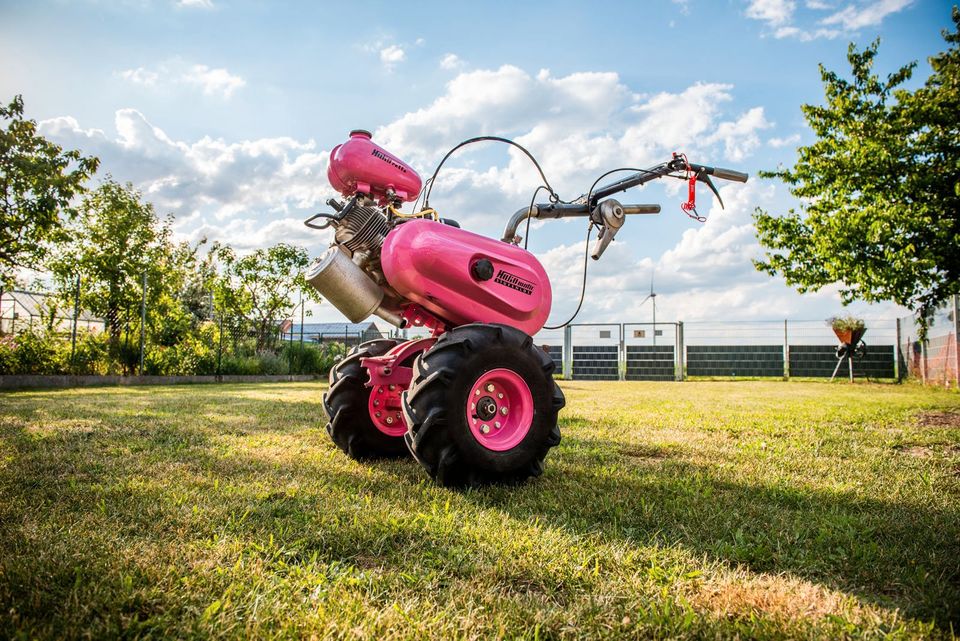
348	288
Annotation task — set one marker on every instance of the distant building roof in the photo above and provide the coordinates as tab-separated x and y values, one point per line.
334	329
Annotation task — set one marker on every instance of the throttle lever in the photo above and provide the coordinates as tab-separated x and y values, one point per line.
610	216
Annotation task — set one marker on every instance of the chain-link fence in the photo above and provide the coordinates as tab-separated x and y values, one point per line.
45	334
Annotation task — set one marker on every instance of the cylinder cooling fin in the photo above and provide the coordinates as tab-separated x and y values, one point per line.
362	229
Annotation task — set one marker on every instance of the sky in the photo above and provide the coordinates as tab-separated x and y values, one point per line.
223	113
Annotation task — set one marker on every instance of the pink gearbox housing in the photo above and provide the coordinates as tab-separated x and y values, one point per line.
360	165
463	277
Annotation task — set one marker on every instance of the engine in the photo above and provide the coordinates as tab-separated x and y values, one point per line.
381	260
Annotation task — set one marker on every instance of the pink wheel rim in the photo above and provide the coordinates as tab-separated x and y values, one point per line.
500	409
384	406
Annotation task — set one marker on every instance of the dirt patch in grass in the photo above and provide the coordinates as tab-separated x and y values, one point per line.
939	419
644	453
916	451
780	597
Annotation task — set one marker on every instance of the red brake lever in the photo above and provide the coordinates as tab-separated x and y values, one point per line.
690	207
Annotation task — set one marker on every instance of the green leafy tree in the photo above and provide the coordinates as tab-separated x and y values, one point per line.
260	286
880	187
115	242
38	184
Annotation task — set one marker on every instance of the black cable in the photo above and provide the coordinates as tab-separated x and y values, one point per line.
583	285
613	171
546	183
526	233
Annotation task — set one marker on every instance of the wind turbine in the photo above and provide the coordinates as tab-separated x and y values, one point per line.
652	297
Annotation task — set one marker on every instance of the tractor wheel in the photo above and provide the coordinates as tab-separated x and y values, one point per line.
482	407
346	404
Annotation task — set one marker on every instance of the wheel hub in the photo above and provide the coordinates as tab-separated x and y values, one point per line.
500	409
486	408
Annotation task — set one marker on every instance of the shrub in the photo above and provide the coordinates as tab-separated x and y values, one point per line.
8	355
40	352
273	364
236	364
311	359
92	355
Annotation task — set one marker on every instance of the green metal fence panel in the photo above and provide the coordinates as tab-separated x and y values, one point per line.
735	360
650	363
821	360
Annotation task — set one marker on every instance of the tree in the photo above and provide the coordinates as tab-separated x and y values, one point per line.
260	286
880	188
116	242
38	184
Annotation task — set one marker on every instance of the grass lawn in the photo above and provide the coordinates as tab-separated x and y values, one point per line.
751	509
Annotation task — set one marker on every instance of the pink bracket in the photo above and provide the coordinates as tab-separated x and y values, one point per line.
417	316
388	380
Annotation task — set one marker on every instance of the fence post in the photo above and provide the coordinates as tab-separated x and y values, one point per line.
76	314
622	357
220	346
923	361
143	319
301	319
786	352
681	376
896	355
567	352
956	337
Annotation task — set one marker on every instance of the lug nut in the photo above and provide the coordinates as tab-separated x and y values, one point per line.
393	387
490	387
376	403
389	420
497	425
477	393
379	414
473	406
484	429
503	410
500	395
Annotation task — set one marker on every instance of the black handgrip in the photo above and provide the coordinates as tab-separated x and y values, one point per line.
729	174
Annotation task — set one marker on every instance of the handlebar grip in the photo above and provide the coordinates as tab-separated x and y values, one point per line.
641	209
730	174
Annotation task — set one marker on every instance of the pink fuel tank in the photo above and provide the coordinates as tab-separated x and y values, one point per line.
463	277
360	165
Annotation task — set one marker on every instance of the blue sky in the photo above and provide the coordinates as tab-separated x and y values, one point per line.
223	112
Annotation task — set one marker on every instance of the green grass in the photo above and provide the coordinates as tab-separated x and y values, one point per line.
745	509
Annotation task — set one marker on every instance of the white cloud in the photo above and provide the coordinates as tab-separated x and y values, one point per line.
781	19
451	62
211	81
195	4
251	193
420	42
776	143
140	76
254	193
774	12
392	55
869	14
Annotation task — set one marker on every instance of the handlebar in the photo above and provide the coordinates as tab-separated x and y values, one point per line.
562	210
590	205
720	172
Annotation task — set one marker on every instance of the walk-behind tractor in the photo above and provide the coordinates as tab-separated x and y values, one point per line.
476	402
